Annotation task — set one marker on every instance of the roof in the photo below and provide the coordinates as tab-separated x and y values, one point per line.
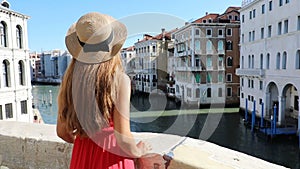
215	18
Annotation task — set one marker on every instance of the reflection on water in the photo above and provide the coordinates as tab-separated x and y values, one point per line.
229	130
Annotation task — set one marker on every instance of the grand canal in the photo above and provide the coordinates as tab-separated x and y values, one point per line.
224	127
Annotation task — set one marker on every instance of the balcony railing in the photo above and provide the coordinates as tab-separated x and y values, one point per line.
251	72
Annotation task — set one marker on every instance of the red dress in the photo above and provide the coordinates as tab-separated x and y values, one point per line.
100	152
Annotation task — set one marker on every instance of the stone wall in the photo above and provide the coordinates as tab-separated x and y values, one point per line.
33	146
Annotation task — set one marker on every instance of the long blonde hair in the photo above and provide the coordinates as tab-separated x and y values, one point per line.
87	94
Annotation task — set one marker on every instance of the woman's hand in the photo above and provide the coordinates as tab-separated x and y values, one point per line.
151	160
144	147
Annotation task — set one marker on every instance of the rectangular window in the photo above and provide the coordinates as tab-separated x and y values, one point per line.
280	2
24	107
197	78
253	13
1	115
243	18
298	25
242	81
286	26
229	91
220	78
249	83
243	38
263	8
269	31
197	93
250	15
208	32
209	92
197	61
209	62
262	33
8	111
270	5
261	85
220	92
220	32
229	32
250	36
189	92
229	77
253	35
220	61
252	84
279	28
197	31
208	77
287	1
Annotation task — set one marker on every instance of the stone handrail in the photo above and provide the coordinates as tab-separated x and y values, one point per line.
28	145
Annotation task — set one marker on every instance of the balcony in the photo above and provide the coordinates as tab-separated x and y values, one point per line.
251	72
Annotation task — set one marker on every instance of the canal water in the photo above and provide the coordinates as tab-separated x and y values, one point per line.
223	128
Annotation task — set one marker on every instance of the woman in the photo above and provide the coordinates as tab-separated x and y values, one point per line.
94	97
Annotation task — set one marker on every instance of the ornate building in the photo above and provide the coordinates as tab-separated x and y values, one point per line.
15	84
206	55
270	58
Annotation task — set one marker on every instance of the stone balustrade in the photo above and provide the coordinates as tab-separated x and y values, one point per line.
30	146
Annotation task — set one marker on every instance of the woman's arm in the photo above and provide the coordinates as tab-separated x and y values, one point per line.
121	120
62	131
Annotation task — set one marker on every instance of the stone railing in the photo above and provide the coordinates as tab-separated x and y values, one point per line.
26	145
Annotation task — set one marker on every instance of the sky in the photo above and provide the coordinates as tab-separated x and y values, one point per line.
50	19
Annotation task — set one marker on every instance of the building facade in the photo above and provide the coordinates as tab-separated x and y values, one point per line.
53	65
270	58
151	63
15	84
206	55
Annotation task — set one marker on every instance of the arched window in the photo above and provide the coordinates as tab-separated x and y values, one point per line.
284	57
6	73
21	73
261	61
197	44
3	34
19	35
228	45
208	47
229	61
268	61
220	45
278	61
298	59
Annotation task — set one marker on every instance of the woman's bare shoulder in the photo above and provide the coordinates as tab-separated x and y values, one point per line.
124	78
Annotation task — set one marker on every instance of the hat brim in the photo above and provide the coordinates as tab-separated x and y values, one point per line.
76	50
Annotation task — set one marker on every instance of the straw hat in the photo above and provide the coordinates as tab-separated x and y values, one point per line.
95	38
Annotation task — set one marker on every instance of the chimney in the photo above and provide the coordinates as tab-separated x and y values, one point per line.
206	13
163	33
